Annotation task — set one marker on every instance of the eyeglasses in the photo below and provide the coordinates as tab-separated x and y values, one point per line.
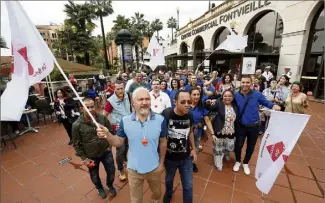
189	102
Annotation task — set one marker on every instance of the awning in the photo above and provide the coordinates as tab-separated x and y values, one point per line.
78	69
205	54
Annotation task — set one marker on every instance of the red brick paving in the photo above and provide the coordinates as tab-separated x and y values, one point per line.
32	173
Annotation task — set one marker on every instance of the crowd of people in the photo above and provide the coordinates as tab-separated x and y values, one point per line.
156	121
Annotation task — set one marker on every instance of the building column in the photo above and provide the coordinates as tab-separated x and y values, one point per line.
292	54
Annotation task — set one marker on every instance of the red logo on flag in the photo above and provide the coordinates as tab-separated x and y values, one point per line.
23	53
155	51
275	150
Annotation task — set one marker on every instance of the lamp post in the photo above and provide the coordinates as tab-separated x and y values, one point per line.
124	38
177	18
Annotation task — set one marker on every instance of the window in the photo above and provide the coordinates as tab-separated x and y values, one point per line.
220	37
264	35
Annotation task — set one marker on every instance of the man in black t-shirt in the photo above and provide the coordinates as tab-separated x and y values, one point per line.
180	146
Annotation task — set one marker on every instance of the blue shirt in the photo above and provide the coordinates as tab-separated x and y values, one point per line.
184	79
172	96
92	93
251	114
198	116
167	92
143	159
188	87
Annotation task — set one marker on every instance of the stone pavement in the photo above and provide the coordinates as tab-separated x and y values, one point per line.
32	172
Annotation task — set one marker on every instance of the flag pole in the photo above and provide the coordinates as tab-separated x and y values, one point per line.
52	90
75	92
48	88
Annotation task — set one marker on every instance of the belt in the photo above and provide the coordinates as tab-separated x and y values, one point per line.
250	125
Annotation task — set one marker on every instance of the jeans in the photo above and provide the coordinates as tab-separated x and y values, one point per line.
68	126
252	134
185	168
108	162
121	153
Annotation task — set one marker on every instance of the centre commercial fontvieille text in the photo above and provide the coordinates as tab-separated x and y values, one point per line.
252	6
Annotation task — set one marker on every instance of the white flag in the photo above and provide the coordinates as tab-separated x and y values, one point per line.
234	43
33	61
156	54
279	139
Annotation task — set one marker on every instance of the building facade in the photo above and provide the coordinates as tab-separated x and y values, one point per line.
282	34
48	33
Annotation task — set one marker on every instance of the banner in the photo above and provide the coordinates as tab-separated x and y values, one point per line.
280	137
33	61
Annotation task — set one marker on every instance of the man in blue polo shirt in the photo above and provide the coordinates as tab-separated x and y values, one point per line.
145	131
248	102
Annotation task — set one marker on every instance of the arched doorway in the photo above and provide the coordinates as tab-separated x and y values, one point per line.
198	44
264	39
198	47
221	63
220	36
313	71
184	50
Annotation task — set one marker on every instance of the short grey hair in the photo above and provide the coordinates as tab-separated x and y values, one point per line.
258	71
137	91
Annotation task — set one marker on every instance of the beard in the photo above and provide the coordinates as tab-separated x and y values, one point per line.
144	111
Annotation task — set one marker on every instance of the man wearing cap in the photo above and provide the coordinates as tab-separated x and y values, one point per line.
287	72
268	75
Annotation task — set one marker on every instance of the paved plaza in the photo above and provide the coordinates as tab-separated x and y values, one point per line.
32	172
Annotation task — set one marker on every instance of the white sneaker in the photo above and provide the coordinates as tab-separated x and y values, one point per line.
236	166
247	171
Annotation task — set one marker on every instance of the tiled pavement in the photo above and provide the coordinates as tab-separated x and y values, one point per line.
32	172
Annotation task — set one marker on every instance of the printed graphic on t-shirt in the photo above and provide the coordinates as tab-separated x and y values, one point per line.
178	133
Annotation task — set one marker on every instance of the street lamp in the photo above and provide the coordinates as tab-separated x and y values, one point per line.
125	39
177	18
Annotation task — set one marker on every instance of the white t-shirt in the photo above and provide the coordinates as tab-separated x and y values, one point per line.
128	84
158	104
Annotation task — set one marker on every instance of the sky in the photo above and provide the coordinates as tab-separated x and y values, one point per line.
46	12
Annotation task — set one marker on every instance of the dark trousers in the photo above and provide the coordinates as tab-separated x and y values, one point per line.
67	125
108	162
252	134
185	168
121	153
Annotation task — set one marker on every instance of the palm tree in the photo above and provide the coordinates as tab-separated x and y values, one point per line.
81	17
148	32
103	8
3	43
156	26
109	39
121	22
172	23
138	25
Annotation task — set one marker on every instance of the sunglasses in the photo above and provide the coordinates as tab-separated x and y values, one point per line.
189	102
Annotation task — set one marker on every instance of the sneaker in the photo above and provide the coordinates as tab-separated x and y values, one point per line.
195	169
70	143
101	193
247	171
121	175
112	191
236	166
